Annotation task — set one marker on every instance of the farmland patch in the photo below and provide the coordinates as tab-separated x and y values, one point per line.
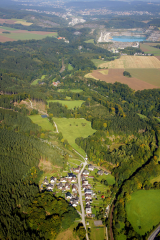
116	75
151	76
126	62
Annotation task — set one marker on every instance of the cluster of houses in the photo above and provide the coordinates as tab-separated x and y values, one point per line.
65	184
87	188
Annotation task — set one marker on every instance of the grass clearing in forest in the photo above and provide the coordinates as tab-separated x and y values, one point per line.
143	210
147	75
97	62
89	41
72	128
70	104
70	67
42	122
156	179
125	62
35	82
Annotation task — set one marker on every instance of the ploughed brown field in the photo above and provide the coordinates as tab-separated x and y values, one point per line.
6	39
116	75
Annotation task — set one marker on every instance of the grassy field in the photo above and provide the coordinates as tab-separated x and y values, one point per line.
27	36
97	62
68	234
70	104
96	232
8	28
43	122
90	41
70	67
149	49
142	116
22	22
36	81
133	62
147	75
143	210
74	128
89	75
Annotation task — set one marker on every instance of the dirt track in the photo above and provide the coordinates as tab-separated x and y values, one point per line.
116	75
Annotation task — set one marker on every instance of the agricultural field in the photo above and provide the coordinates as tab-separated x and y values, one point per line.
42	122
142	220
68	234
71	90
15	34
125	62
15	21
116	75
148	48
73	128
70	104
151	76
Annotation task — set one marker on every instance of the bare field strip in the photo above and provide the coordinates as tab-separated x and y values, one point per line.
6	39
116	75
133	62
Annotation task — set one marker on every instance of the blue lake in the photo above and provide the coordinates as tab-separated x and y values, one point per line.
128	39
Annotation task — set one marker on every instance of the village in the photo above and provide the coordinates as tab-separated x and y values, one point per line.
68	186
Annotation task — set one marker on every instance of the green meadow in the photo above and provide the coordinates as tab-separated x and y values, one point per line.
90	41
97	62
37	80
72	128
150	49
143	210
147	75
70	104
42	122
70	67
96	232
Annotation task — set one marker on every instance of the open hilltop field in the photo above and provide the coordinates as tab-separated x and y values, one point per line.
73	128
11	34
143	210
145	72
70	104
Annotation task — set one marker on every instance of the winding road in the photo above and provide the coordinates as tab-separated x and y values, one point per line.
154	234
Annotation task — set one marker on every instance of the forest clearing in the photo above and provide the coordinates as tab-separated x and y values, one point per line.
142	220
73	128
69	104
